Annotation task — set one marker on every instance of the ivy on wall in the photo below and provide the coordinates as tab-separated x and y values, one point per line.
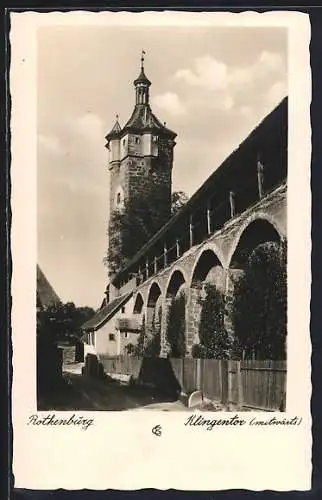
176	327
214	340
260	304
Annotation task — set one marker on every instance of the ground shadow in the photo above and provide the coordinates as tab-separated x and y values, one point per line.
158	373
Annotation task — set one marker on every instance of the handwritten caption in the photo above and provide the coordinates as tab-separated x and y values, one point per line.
236	420
193	420
51	419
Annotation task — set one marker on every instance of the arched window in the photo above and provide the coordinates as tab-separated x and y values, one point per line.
119	198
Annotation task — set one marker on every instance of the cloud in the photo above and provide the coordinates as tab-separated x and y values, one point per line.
88	125
207	72
271	61
276	93
51	144
212	74
169	102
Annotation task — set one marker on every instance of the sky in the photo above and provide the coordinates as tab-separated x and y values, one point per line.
211	85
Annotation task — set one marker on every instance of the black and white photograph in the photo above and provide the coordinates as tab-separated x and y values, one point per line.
162	236
161	300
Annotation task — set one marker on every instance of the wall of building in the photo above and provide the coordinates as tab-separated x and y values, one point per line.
102	342
127	338
271	210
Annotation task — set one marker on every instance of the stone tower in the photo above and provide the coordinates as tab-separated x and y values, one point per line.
141	154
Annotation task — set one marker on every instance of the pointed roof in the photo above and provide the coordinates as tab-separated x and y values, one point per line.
114	133
46	295
142	78
142	118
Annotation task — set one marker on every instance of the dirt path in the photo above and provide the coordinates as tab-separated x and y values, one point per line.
85	393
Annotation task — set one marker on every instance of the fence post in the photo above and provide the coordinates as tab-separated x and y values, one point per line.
240	386
198	377
224	380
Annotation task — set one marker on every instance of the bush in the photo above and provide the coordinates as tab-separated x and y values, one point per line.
130	349
198	351
176	327
153	347
260	304
214	339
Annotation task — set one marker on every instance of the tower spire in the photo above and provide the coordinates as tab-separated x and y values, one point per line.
142	84
142	59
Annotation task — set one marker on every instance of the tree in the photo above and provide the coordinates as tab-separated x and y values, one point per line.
176	326
133	225
178	200
61	321
214	339
260	303
149	340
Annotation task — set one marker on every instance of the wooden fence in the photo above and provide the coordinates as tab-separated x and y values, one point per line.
257	385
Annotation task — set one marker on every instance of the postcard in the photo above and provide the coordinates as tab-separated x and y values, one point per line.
160	195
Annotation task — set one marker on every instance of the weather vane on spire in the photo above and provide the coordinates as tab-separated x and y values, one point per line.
142	58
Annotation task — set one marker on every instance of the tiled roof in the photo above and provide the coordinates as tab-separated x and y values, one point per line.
105	313
143	119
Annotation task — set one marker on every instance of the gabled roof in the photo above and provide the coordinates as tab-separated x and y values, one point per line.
46	295
105	313
143	119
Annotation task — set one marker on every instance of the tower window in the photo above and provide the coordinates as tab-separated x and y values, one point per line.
118	198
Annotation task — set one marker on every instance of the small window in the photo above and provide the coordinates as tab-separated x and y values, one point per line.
123	309
111	337
155	138
137	140
125	335
118	198
124	142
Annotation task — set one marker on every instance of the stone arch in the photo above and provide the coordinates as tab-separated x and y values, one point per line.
256	230
138	304
176	281
208	268
176	289
154	298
